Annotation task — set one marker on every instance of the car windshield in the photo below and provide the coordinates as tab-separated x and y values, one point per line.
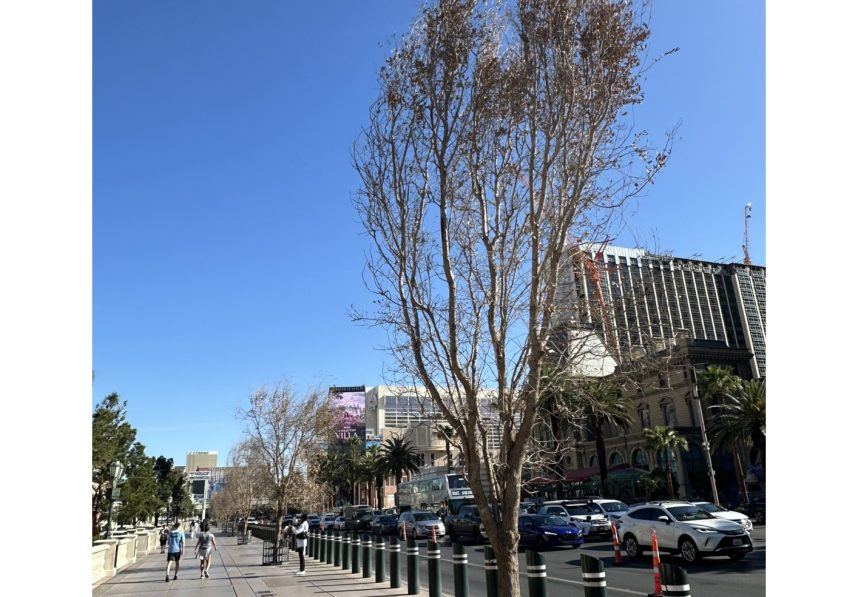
554	521
457	482
614	506
582	510
424	516
683	513
709	507
386	519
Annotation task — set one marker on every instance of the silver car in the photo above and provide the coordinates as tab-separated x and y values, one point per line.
419	524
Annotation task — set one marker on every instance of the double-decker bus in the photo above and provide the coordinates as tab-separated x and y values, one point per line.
434	491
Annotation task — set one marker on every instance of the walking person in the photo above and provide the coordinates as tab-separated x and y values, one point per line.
205	543
301	542
193	529
175	549
162	539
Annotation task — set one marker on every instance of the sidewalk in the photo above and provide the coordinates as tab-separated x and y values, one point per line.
236	571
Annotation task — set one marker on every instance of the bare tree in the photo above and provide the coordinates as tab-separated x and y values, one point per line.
244	484
282	431
499	143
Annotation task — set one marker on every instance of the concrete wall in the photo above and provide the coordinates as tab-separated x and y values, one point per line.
110	556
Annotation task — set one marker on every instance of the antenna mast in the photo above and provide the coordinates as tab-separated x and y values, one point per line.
745	248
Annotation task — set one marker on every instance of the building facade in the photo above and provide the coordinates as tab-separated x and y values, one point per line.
200	461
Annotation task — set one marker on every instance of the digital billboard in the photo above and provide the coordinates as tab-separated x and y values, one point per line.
350	402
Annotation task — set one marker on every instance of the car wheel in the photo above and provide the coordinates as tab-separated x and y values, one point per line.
688	550
633	548
738	556
540	543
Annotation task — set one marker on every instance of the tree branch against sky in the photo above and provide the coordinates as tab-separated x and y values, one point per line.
498	143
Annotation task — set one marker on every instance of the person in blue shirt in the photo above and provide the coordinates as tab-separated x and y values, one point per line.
175	549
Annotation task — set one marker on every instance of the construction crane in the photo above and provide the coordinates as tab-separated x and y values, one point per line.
746	246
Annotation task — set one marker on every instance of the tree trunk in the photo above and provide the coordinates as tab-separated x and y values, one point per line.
601	457
669	473
449	455
740	473
507	560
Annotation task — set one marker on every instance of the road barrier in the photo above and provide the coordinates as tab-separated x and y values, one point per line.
491	566
537	574
675	581
460	570
618	557
317	547
366	557
394	562
593	574
656	563
379	559
347	547
433	553
329	548
338	548
355	553
311	539
412	569
270	555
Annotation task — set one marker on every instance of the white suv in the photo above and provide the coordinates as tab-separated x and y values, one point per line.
684	529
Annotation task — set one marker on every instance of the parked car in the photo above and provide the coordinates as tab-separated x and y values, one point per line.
358	517
588	517
465	525
251	520
756	510
531	507
612	509
328	521
721	512
339	523
314	522
385	524
288	519
541	531
419	523
684	529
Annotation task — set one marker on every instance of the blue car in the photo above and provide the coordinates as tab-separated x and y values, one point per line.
541	531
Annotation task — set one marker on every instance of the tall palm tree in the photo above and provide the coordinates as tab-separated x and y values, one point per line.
447	432
742	417
375	469
605	404
716	385
401	457
665	440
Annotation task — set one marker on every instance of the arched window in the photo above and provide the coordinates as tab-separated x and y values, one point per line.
643	413
639	460
616	458
593	461
668	411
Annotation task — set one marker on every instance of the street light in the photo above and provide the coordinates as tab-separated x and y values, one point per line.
695	395
115	472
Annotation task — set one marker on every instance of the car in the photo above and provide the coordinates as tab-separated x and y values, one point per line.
466	525
721	512
684	529
339	523
287	520
314	522
385	524
419	523
358	517
531	507
251	520
612	509
542	531
588	517
327	522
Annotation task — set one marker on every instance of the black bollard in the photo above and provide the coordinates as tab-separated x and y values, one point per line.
310	543
412	569
394	562
460	570
491	565
338	547
379	559
537	575
347	546
366	557
593	573
355	553
433	554
323	545
674	581
329	548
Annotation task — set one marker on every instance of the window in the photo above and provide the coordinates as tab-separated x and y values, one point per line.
593	461
668	412
692	411
436	484
639	460
644	514
643	413
616	458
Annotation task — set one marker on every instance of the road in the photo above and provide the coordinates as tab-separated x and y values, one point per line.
715	577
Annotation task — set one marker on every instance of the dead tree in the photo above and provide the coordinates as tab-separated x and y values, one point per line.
499	138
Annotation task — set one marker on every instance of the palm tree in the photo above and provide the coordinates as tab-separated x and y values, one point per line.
742	418
401	457
717	384
375	469
447	432
665	440
605	404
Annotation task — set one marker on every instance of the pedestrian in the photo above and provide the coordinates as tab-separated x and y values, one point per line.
175	549
205	543
301	542
162	539
193	529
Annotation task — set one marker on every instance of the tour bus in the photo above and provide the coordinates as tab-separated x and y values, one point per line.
434	491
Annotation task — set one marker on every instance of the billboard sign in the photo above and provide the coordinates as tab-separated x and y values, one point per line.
350	402
373	439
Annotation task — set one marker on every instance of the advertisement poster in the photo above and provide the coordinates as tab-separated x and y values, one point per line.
350	401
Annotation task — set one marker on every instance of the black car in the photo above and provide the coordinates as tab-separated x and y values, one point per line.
465	525
541	532
386	524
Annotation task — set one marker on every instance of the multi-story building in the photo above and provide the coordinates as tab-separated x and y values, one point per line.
641	301
200	461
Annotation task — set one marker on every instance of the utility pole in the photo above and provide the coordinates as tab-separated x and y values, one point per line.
746	248
695	396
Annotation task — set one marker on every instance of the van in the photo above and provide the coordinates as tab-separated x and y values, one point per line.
358	517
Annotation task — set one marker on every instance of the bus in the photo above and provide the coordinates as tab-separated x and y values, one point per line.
434	491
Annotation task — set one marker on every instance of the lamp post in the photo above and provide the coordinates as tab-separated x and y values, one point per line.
112	493
695	396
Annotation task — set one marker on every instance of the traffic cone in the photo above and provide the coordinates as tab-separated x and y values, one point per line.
618	558
656	563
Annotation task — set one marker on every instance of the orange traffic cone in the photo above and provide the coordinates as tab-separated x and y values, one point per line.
618	558
656	562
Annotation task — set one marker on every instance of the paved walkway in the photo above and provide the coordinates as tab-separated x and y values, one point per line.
236	571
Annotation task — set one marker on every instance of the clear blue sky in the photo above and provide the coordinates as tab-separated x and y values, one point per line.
226	253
